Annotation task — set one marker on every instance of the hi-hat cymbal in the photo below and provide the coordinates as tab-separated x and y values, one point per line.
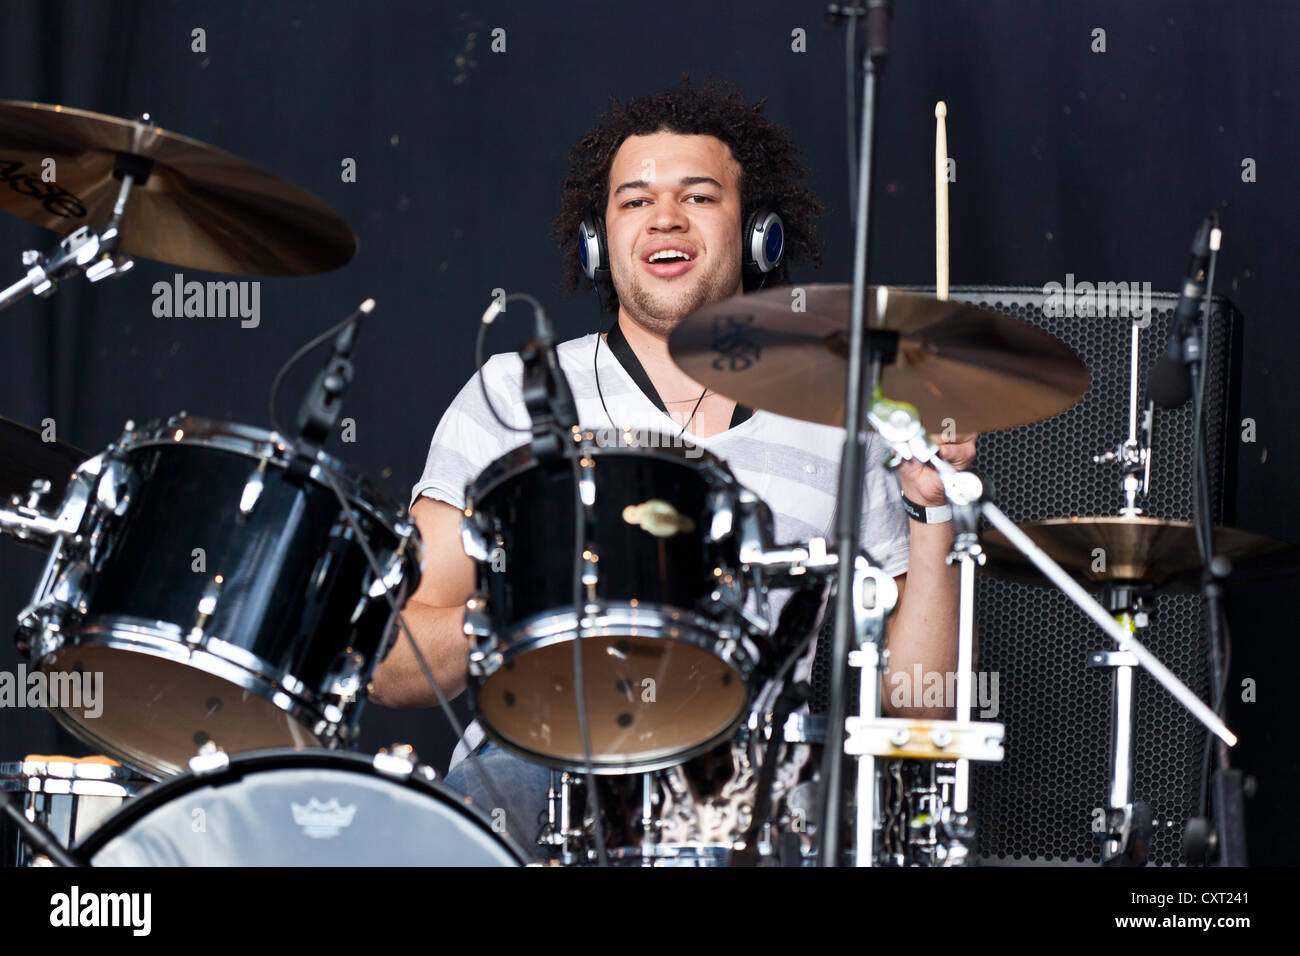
982	369
200	208
26	457
1155	551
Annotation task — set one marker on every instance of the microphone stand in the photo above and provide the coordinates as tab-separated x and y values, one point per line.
864	359
1224	836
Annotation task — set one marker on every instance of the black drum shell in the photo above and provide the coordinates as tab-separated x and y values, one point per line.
529	515
292	571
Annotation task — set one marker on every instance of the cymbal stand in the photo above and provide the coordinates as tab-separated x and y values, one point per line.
900	425
1128	824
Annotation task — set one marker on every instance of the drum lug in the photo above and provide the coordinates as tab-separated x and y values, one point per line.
472	537
252	492
115	486
724	516
70	588
209	759
398	761
345	678
484	653
392	577
206	607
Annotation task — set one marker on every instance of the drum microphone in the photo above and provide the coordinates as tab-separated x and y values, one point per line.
320	409
1169	384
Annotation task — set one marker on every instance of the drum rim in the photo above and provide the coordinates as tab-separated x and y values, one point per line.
280	758
160	640
549	627
15	773
254	442
521	459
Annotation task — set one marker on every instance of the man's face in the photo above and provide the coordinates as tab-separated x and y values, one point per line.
673	226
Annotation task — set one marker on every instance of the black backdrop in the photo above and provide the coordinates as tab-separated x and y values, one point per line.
1068	161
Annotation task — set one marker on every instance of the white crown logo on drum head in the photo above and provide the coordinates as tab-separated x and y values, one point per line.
323	821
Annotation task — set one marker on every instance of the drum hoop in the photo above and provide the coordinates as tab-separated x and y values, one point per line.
258	443
243	765
213	657
558	626
519	460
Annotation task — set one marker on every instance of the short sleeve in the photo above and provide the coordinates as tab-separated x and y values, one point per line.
884	531
469	438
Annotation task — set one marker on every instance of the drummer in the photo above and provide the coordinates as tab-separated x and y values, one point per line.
676	176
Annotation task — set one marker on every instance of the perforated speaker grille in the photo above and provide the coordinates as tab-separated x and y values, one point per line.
1039	805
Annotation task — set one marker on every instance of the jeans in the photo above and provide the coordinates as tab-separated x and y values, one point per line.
510	790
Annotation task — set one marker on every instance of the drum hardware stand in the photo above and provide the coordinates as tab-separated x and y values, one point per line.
1129	824
39	837
93	253
900	425
1134	456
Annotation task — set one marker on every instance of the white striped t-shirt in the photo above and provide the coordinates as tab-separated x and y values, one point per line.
791	465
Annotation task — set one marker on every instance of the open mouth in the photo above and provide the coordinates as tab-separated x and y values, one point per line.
668	261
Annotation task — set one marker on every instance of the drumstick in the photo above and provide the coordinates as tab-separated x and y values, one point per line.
940	202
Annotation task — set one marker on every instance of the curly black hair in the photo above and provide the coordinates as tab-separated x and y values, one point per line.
766	154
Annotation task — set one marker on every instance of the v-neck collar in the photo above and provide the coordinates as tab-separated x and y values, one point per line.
627	358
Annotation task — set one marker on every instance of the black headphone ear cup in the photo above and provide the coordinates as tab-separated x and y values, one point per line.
593	249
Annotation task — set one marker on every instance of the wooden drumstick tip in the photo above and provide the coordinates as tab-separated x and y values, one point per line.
940	110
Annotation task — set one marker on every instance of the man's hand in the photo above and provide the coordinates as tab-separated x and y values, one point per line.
922	484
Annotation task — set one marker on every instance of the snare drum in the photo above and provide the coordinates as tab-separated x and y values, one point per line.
224	596
286	808
667	660
69	796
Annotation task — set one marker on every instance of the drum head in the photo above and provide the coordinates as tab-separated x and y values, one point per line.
649	700
159	712
298	809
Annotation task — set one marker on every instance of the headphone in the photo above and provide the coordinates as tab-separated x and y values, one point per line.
762	247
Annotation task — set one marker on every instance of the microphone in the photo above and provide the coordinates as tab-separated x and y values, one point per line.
1169	385
320	408
566	413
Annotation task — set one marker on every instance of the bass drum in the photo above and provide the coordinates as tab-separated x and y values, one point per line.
300	808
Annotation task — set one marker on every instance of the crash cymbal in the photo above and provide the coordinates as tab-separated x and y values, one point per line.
1156	551
200	208
980	368
25	457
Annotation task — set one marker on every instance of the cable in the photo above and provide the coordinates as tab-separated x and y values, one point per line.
488	318
595	371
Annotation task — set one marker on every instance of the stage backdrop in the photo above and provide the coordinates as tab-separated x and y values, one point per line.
1089	140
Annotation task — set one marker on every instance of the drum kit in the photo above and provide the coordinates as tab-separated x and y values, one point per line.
628	641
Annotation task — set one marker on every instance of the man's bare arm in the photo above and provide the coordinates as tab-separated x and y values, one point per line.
435	614
923	628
